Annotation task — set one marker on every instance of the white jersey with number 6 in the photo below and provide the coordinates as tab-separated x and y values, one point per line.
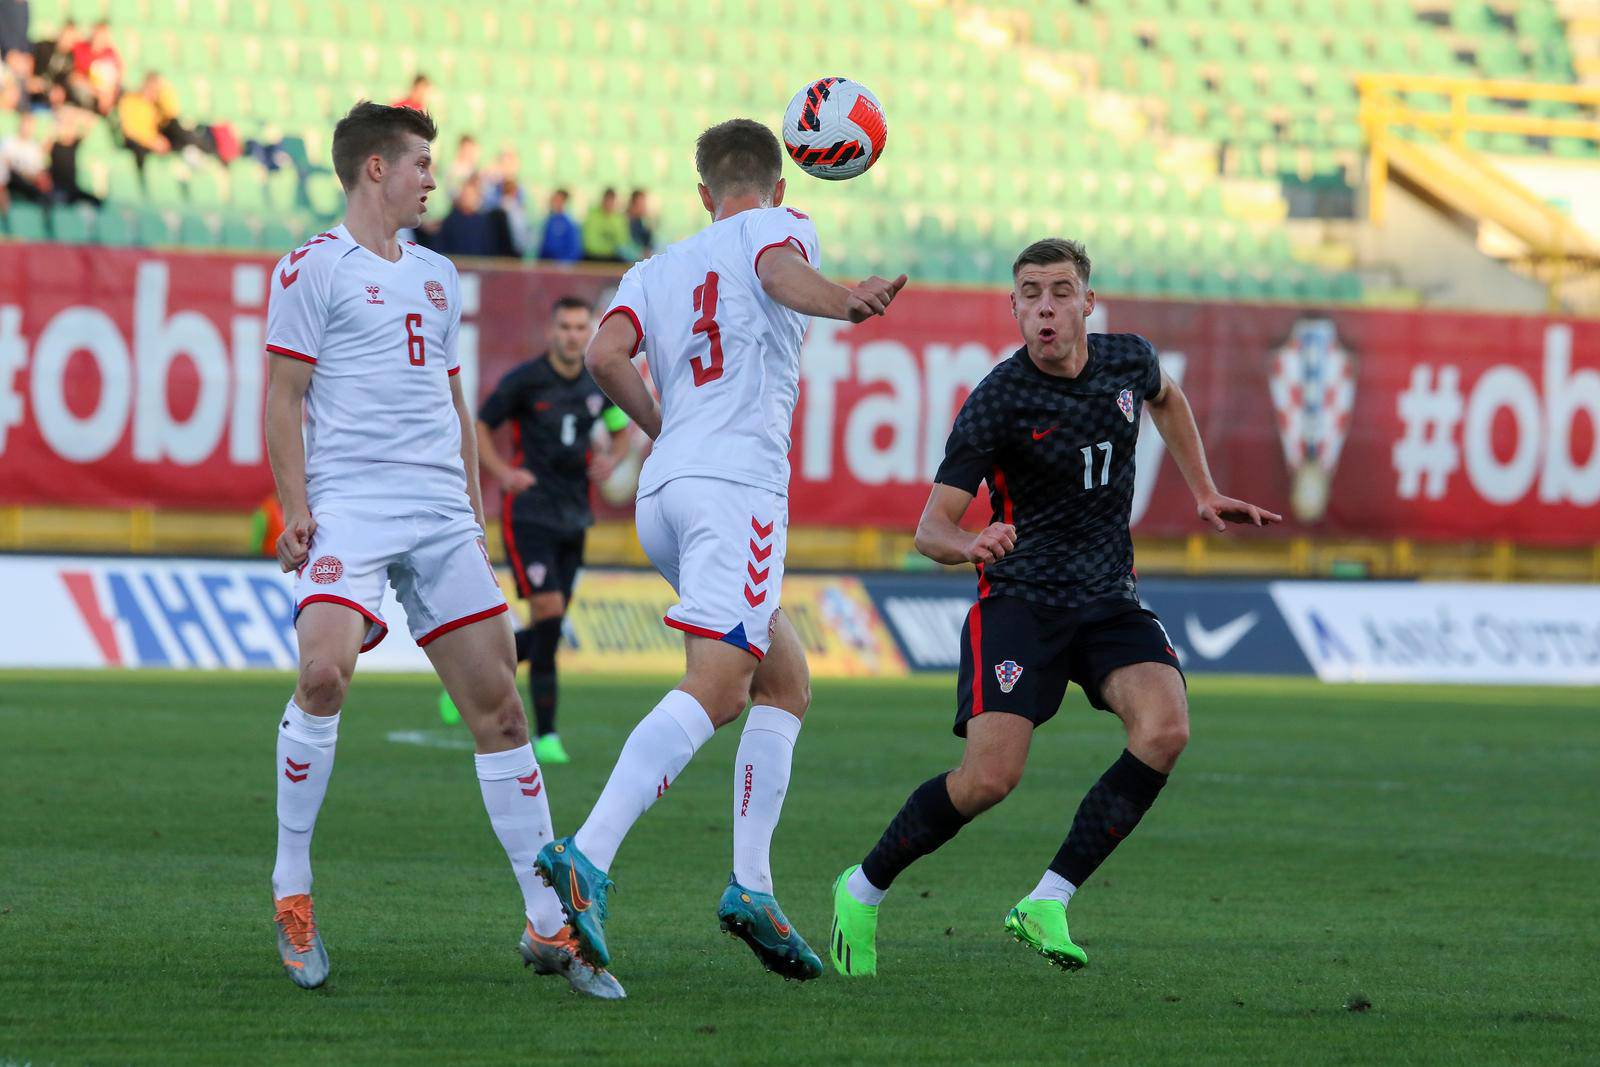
724	355
380	423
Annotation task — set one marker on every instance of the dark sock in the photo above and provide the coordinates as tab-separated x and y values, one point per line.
524	640
542	673
926	822
1109	812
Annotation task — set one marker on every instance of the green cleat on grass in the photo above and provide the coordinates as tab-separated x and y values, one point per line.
548	749
1042	926
448	713
756	919
581	888
853	942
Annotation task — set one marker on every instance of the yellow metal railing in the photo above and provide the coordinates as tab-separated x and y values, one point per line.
144	531
1383	113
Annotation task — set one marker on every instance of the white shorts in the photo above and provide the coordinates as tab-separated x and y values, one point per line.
434	559
720	545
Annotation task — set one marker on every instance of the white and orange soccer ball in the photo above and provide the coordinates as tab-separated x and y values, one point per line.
834	129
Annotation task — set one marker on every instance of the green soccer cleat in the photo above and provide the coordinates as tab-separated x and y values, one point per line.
448	713
756	919
299	944
1042	926
548	749
559	955
853	942
581	888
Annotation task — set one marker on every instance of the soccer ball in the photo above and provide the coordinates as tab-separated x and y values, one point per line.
834	129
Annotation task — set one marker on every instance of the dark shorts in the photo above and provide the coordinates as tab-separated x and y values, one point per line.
542	560
1018	657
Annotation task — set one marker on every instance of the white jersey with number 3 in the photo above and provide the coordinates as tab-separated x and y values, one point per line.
380	422
725	356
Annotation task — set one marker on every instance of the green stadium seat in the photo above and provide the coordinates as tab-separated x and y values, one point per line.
72	223
26	221
154	227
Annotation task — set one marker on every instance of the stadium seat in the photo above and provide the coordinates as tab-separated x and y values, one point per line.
26	221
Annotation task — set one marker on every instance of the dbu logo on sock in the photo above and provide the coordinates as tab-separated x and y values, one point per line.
1007	674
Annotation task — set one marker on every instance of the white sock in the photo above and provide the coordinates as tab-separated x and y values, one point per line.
860	887
1053	887
305	760
657	750
760	780
519	810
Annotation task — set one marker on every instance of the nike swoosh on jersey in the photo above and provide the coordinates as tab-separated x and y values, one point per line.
1040	435
1216	642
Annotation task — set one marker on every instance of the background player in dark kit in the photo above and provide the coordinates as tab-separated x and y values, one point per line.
553	406
1052	430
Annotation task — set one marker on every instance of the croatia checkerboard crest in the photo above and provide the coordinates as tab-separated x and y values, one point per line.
1312	382
1008	674
1125	404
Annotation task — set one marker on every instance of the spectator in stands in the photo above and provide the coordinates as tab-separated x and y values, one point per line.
561	240
515	210
463	165
469	230
641	234
33	91
26	163
150	123
100	64
10	88
503	172
605	230
420	98
71	126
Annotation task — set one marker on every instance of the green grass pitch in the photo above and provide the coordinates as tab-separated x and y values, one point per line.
1335	874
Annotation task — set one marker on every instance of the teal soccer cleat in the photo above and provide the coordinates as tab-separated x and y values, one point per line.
581	888
756	919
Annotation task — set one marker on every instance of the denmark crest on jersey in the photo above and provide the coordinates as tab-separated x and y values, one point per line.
435	293
1008	674
594	405
1125	404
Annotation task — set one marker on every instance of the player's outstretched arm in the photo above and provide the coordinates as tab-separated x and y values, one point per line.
610	362
794	283
1174	419
287	382
941	538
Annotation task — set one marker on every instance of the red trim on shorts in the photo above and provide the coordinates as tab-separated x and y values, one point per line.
291	353
975	629
465	620
453	371
624	309
329	598
518	572
701	631
793	242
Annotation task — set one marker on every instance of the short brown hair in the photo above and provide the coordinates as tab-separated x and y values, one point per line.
375	129
1054	250
738	156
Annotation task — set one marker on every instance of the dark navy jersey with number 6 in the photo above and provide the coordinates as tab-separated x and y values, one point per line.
551	417
1058	456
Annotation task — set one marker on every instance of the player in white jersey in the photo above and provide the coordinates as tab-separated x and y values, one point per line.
382	487
720	316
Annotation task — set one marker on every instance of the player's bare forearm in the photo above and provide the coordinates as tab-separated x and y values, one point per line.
796	284
941	538
469	448
288	380
610	362
1174	420
488	457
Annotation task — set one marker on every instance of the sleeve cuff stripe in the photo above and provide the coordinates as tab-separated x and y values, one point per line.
624	309
453	371
793	242
291	353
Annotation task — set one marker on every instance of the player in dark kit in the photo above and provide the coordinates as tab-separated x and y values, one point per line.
1052	430
553	405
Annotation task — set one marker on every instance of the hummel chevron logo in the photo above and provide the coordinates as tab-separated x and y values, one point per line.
291	767
533	784
661	790
757	577
762	532
753	598
760	552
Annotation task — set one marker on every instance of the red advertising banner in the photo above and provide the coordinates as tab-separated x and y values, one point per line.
137	378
